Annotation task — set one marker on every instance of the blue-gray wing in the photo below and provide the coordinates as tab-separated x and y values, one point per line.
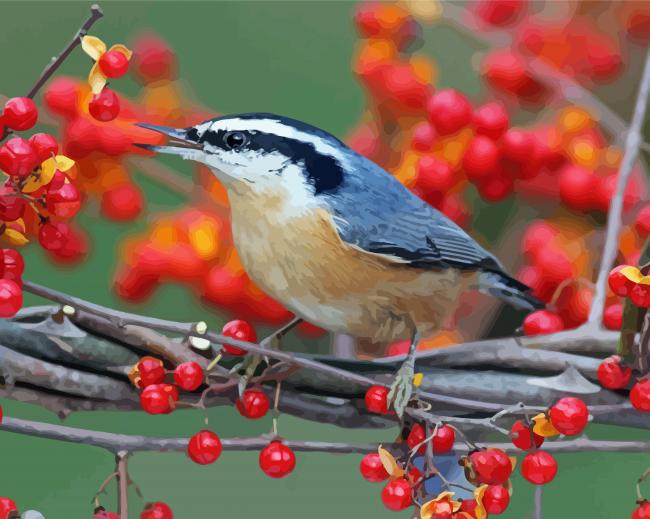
376	213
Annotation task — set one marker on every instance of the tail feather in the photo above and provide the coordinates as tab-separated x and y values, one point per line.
509	289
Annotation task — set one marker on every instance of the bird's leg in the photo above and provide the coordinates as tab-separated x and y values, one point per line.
401	389
252	360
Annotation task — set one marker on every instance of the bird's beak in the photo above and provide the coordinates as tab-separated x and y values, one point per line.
179	143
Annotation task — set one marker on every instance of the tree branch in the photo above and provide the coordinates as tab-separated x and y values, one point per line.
122	484
614	216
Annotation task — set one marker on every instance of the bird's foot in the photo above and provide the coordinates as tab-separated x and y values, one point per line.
401	390
251	362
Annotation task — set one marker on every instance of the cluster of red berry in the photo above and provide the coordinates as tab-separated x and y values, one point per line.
158	397
157	510
614	374
489	470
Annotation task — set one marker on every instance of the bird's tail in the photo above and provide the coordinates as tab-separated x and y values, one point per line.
509	289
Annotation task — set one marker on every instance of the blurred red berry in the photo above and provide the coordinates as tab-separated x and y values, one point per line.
433	175
153	60
157	510
491	120
104	106
277	460
522	436
122	203
188	376
449	111
499	12
481	158
240	330
113	64
44	145
539	467
53	235
496	499
613	316
496	188
204	447
537	236
135	284
612	375
20	113
577	188
640	396
376	399
642	221
619	279
492	466
569	415
372	469
424	137
640	295
508	72
60	96
74	249
11	298
253	404
18	157
396	495
469	506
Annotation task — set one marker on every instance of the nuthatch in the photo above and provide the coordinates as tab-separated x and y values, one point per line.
334	237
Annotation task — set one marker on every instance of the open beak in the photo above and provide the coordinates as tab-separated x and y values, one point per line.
178	143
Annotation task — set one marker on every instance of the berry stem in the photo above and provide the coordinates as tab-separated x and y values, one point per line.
122	484
643	477
276	411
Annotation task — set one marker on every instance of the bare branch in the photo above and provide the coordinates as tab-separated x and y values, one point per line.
122	484
633	140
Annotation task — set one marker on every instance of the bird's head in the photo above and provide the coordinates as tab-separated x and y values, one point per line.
261	153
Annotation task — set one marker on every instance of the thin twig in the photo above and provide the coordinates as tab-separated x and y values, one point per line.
614	216
538	501
122	484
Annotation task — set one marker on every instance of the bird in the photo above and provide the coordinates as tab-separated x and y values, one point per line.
335	238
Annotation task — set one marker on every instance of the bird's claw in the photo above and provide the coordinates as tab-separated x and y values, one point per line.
246	368
401	390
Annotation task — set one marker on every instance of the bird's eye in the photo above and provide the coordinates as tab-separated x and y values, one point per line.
235	140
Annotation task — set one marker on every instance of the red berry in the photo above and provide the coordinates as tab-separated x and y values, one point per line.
490	120
11	298
516	145
377	399
150	370
496	188
640	396
74	249
157	510
101	513
204	447
18	157
612	375
542	322
569	415
153	59
414	476
188	376
539	467
613	316
578	188
122	203
44	145
443	440
372	469
495	499
253	404
396	495
619	280
159	398
449	111
104	106
642	511
537	236
7	505
415	437
20	113
640	295
492	466
113	64
277	460
481	158
424	137
60	96
522	436
240	330
53	235
64	201
433	175
12	206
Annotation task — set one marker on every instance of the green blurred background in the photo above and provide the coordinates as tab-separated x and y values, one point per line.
286	57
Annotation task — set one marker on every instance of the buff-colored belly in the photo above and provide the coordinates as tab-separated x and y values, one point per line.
307	268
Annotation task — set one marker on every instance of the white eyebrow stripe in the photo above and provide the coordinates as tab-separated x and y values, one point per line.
275	127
